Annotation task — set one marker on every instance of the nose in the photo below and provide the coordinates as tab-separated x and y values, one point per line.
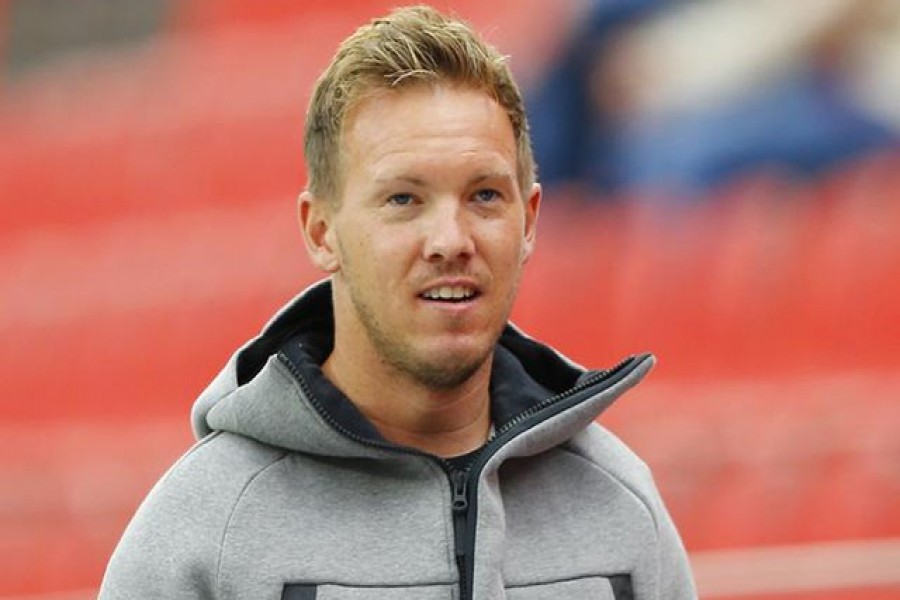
448	235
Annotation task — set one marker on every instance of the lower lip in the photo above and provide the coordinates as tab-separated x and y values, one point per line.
451	307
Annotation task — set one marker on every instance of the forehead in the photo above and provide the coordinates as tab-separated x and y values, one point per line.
426	122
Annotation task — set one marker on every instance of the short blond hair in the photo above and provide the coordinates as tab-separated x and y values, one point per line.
409	46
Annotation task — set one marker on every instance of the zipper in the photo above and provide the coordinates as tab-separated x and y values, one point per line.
595	378
463	535
463	545
459	479
465	540
463	506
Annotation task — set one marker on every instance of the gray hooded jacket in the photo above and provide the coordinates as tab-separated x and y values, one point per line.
290	494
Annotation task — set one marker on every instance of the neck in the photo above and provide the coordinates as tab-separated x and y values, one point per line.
442	422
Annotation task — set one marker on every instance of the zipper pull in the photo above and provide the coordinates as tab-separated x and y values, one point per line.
460	510
460	507
460	491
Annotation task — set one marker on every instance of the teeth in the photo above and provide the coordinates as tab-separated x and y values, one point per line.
448	292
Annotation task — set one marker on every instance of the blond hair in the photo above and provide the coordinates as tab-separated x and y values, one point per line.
408	46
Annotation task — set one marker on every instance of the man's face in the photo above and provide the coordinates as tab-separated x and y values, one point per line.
430	233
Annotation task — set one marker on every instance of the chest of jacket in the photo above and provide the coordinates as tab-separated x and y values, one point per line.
548	526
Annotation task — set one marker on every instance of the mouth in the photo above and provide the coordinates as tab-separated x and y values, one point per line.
450	294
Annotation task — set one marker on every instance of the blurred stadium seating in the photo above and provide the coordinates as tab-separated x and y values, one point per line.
147	229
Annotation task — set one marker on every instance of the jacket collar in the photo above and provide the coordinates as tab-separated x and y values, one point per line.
256	393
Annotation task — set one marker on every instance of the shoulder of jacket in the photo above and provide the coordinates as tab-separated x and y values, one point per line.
607	452
219	467
173	543
196	496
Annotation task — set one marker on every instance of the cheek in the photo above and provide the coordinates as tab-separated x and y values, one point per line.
507	250
375	259
354	245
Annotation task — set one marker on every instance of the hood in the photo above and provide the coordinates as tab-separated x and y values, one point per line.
272	388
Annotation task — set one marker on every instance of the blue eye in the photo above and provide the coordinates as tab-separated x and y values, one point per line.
401	199
487	195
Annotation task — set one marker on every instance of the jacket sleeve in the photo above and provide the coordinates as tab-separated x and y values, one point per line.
168	549
662	570
172	547
675	579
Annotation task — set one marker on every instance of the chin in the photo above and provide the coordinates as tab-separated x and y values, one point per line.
451	367
456	348
447	375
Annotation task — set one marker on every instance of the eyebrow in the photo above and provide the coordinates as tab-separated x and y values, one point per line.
418	181
492	175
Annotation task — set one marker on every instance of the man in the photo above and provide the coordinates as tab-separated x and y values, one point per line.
389	435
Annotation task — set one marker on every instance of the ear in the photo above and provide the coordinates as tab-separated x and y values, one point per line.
315	217
532	208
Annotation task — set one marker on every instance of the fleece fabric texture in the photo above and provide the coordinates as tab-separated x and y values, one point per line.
290	494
